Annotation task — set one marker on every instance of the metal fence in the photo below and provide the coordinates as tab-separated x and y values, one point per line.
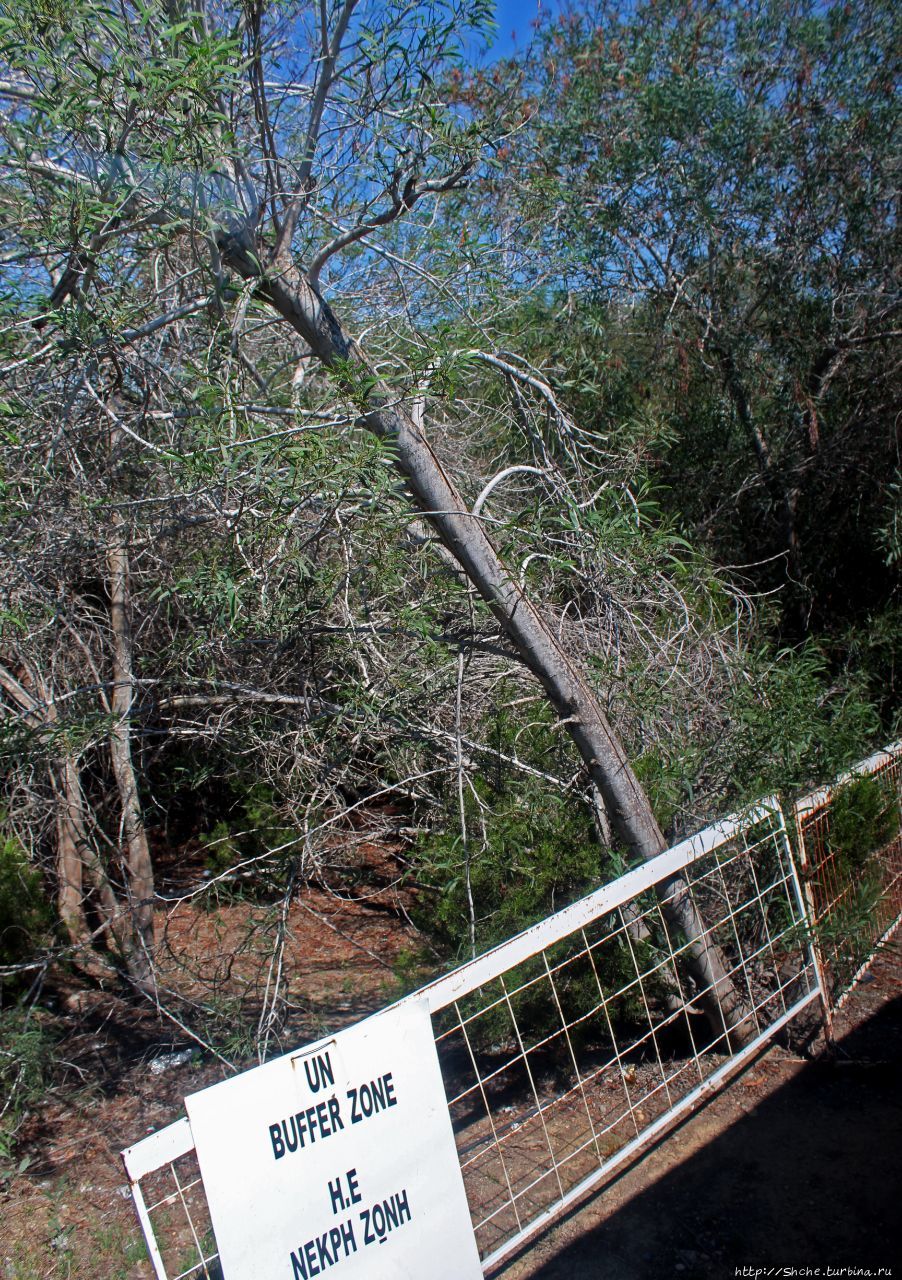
849	837
567	1048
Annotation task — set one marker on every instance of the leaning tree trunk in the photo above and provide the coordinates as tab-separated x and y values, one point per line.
291	295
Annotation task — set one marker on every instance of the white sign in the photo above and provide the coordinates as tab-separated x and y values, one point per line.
338	1159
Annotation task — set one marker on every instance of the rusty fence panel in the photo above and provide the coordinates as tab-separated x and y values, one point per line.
567	1048
853	891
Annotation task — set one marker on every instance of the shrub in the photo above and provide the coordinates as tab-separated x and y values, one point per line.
530	852
24	914
862	821
26	1062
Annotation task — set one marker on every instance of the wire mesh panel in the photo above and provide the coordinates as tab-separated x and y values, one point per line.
567	1047
171	1205
850	851
562	1064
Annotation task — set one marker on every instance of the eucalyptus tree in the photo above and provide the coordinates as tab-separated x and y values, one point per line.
161	163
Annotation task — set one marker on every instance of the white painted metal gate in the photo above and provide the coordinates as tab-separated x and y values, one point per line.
568	1047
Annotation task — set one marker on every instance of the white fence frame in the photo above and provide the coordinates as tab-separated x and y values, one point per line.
171	1144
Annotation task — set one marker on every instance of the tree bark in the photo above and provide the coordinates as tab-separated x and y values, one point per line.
76	858
291	295
70	891
82	860
39	712
139	868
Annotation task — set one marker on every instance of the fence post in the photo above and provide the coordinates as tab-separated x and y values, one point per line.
817	954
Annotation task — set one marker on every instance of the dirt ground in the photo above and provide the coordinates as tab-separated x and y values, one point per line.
796	1165
68	1213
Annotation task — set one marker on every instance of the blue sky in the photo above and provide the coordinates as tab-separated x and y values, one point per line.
516	15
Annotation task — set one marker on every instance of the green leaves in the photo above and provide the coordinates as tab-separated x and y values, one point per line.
24	916
535	852
728	176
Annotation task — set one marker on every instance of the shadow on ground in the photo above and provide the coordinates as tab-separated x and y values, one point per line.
809	1177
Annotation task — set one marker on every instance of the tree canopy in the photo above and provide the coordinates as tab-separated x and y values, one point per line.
498	457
